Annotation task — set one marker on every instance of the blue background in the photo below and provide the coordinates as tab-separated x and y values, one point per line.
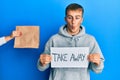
101	19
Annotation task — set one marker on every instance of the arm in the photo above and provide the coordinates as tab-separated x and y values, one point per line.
96	58
45	58
3	40
13	35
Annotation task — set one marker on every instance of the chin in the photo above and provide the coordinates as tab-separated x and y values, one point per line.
73	31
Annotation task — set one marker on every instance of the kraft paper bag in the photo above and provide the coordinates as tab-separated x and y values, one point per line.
29	37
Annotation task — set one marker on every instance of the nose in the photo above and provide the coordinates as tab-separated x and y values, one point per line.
73	20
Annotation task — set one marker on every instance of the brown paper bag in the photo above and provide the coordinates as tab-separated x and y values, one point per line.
29	37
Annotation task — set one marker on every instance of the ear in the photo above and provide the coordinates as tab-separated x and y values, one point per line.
65	19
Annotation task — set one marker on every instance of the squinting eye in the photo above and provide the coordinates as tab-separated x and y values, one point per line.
69	17
77	18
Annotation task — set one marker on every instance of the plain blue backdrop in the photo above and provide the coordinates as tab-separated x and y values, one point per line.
101	19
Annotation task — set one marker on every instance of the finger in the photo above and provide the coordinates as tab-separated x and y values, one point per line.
20	33
47	62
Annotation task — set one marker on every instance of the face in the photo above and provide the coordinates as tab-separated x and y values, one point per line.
73	19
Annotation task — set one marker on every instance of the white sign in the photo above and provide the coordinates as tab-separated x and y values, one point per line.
69	57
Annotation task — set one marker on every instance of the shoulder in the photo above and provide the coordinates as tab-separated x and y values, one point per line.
55	36
89	37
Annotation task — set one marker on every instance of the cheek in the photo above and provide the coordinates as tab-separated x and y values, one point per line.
79	22
68	22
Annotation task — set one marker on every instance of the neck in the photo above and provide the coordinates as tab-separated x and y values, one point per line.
73	33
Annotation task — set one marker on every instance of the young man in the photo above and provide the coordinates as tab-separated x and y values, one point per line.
14	34
72	35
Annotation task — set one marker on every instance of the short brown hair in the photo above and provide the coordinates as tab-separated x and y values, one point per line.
74	6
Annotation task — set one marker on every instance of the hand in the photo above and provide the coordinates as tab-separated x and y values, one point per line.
45	59
95	58
16	34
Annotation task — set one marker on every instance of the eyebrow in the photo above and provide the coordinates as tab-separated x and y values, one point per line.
75	16
78	16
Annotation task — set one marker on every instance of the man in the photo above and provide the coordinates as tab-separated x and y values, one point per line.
72	35
14	34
